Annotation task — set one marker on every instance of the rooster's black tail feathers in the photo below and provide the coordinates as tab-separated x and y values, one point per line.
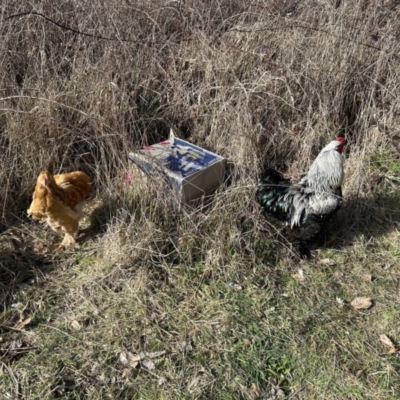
271	189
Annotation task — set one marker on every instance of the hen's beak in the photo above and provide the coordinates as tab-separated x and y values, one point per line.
44	182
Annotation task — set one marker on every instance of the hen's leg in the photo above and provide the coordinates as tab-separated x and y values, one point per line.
68	241
70	229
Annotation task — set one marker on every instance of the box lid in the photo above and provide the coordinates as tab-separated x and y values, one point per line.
180	158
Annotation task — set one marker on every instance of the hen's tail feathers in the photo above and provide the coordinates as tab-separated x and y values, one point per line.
271	189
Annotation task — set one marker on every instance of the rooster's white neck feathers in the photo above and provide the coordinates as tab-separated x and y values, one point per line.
316	192
326	172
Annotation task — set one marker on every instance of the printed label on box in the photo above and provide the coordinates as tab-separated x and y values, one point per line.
181	157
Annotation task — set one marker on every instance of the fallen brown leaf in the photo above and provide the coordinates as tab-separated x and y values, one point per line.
356	374
254	390
361	303
128	359
347	370
154	317
161	381
235	286
154	354
186	346
388	342
39	248
22	324
328	261
148	364
280	394
367	277
338	275
299	277
125	373
75	325
340	301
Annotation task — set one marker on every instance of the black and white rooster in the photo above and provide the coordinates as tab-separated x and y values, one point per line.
307	205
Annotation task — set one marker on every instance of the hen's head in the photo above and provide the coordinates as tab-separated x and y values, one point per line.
45	178
340	142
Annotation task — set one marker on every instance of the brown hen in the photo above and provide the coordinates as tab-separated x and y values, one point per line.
58	200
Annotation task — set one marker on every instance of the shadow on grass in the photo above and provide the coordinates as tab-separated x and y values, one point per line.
30	249
24	257
372	215
99	218
19	264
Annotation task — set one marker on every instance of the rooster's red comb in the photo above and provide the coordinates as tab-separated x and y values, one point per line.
341	139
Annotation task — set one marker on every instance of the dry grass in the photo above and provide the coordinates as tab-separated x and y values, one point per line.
261	83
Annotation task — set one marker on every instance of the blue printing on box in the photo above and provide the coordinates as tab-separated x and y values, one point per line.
188	158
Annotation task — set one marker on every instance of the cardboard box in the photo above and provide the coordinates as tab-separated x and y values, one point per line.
192	172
